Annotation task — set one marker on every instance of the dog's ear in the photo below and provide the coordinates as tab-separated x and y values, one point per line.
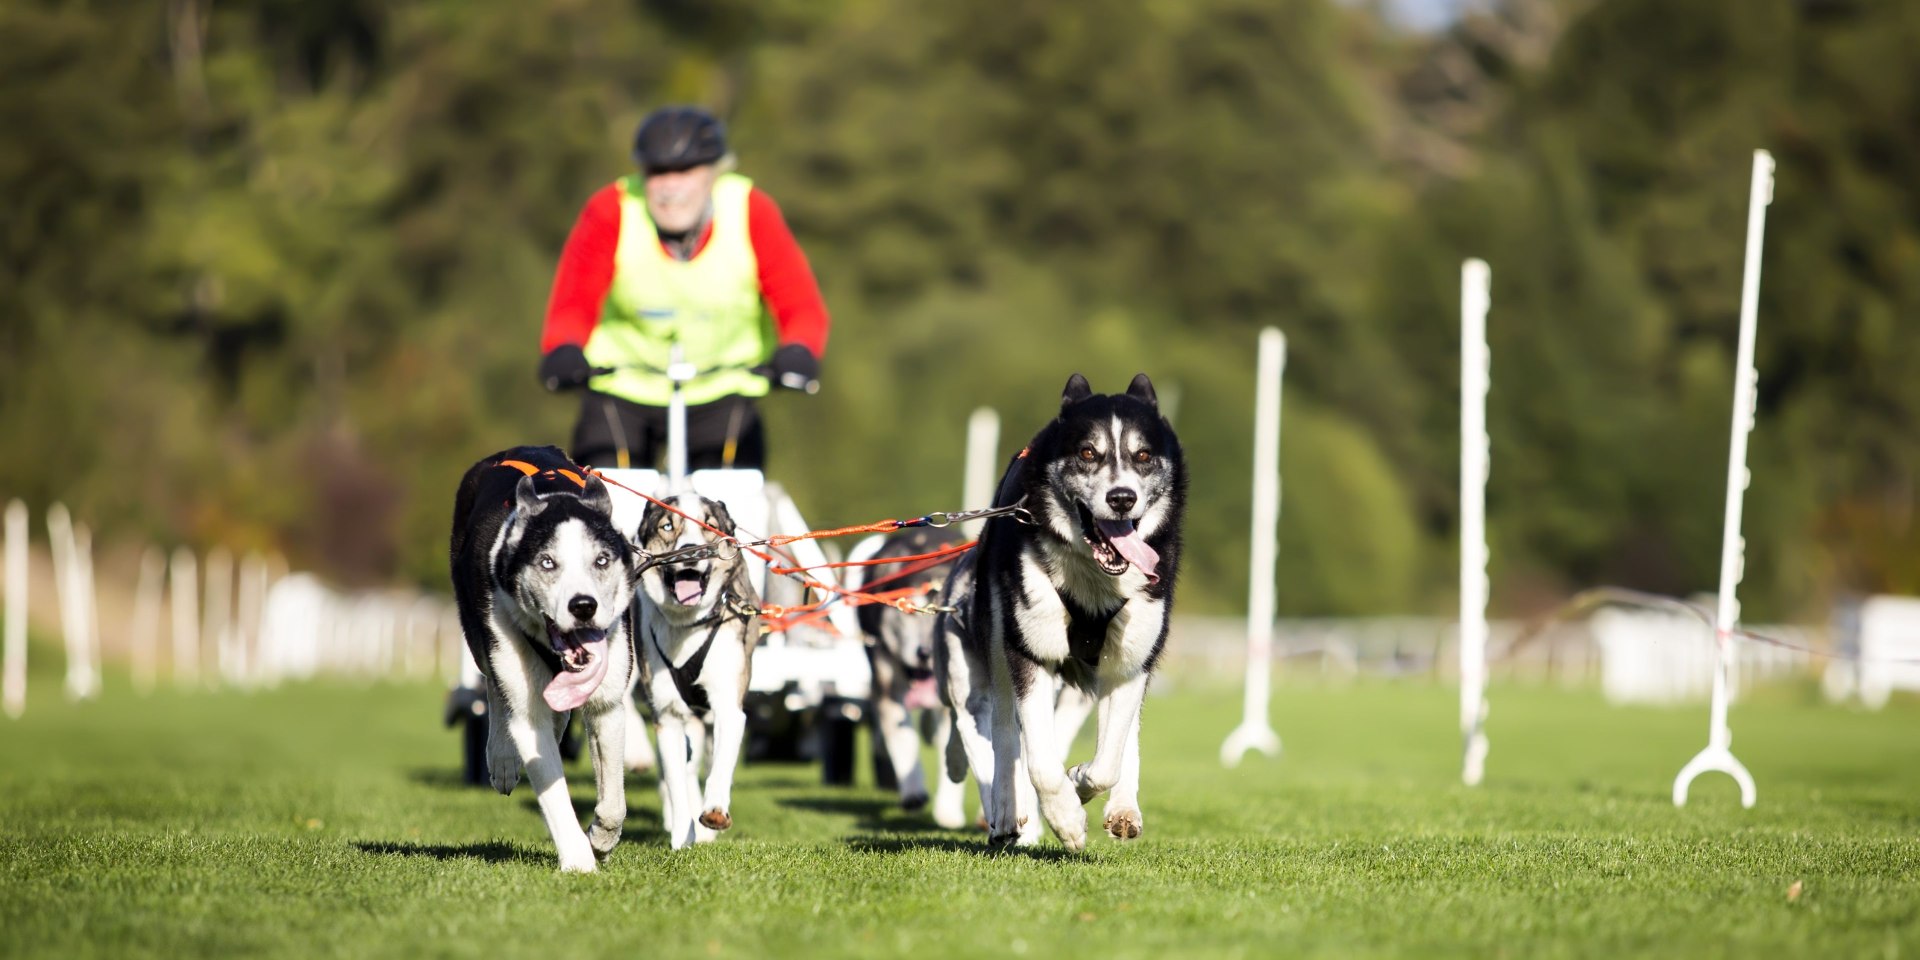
596	496
527	499
1077	390
721	518
1142	389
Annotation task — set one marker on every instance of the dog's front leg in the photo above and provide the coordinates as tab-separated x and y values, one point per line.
973	728
729	729
678	778
1119	724
894	723
1058	803
1070	716
640	757
1003	827
607	732
1026	804
949	798
540	750
1124	821
503	757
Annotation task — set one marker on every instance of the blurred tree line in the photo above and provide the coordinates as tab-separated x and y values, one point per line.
272	272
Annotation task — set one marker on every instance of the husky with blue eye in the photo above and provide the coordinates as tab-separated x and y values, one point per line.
699	620
543	583
1076	594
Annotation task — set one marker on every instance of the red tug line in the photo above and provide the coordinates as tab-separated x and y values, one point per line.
781	618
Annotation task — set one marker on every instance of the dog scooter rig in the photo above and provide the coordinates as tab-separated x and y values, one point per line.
809	682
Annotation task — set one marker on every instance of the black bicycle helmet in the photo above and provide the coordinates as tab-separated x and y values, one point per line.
675	138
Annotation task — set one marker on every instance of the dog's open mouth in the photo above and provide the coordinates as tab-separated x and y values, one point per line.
921	692
583	659
577	650
1117	545
689	585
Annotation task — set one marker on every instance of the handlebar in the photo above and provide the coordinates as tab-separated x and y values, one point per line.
789	381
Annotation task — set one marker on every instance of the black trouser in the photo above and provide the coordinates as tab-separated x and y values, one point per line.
607	424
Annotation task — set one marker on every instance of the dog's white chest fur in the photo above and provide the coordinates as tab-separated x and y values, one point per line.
1071	572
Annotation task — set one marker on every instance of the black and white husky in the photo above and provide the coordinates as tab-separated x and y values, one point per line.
699	621
900	650
543	583
1079	591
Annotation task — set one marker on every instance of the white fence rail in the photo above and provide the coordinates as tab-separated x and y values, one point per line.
241	622
1635	657
285	625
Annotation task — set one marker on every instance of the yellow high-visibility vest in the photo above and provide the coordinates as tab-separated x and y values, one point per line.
710	305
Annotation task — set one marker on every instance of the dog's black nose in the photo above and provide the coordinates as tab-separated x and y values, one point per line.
582	607
1122	500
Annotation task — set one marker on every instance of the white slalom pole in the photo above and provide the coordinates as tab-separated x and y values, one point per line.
13	672
1476	282
186	618
217	620
87	605
1256	730
250	611
1718	753
983	443
679	371
144	650
66	581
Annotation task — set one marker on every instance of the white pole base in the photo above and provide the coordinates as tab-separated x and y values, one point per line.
1474	767
1710	759
1473	760
1249	736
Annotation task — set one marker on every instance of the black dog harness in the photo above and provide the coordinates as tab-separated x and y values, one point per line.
686	675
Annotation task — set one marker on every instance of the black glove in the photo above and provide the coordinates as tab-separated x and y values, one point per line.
565	367
794	367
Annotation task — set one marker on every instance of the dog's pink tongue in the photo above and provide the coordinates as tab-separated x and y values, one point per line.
570	689
1128	542
687	591
921	695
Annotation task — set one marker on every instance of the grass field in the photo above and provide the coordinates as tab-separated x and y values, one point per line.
327	820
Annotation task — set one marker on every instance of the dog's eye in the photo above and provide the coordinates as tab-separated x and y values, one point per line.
602	561
1087	454
546	563
1142	456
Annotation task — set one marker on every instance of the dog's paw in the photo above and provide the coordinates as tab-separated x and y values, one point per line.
503	771
1124	823
577	861
716	819
949	815
603	837
1068	819
1086	791
914	802
1029	832
681	836
1001	831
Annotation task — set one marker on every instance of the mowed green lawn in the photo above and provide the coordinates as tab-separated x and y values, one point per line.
327	820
